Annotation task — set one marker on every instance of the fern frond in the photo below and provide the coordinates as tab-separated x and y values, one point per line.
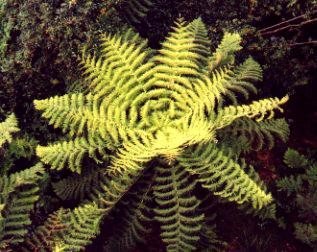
201	41
180	223
266	212
223	176
258	109
135	10
224	53
68	152
18	193
79	187
258	135
134	213
47	235
240	80
75	113
293	159
70	230
25	177
178	56
123	65
83	225
7	128
290	184
311	174
306	232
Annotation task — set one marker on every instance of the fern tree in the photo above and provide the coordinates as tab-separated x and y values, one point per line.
171	113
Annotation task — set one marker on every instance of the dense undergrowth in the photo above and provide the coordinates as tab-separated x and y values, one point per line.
152	149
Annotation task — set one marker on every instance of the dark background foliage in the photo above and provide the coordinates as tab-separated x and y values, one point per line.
40	50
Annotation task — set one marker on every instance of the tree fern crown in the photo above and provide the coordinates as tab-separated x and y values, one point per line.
169	111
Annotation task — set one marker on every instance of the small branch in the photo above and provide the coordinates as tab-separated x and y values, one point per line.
289	26
313	42
287	21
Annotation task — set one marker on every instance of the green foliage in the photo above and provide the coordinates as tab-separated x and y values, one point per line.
134	215
293	159
301	199
19	192
176	210
158	111
46	236
21	148
79	187
257	136
9	126
275	51
224	53
39	46
66	230
307	233
135	10
84	224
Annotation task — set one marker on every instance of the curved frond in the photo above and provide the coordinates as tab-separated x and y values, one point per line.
224	53
83	225
293	159
266	212
257	109
46	236
241	79
69	153
76	114
224	176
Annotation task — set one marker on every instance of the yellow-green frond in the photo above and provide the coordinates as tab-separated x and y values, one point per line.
257	109
177	209
7	128
68	153
223	176
83	225
77	114
224	53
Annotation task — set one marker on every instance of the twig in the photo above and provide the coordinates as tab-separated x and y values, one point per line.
289	26
313	42
287	21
